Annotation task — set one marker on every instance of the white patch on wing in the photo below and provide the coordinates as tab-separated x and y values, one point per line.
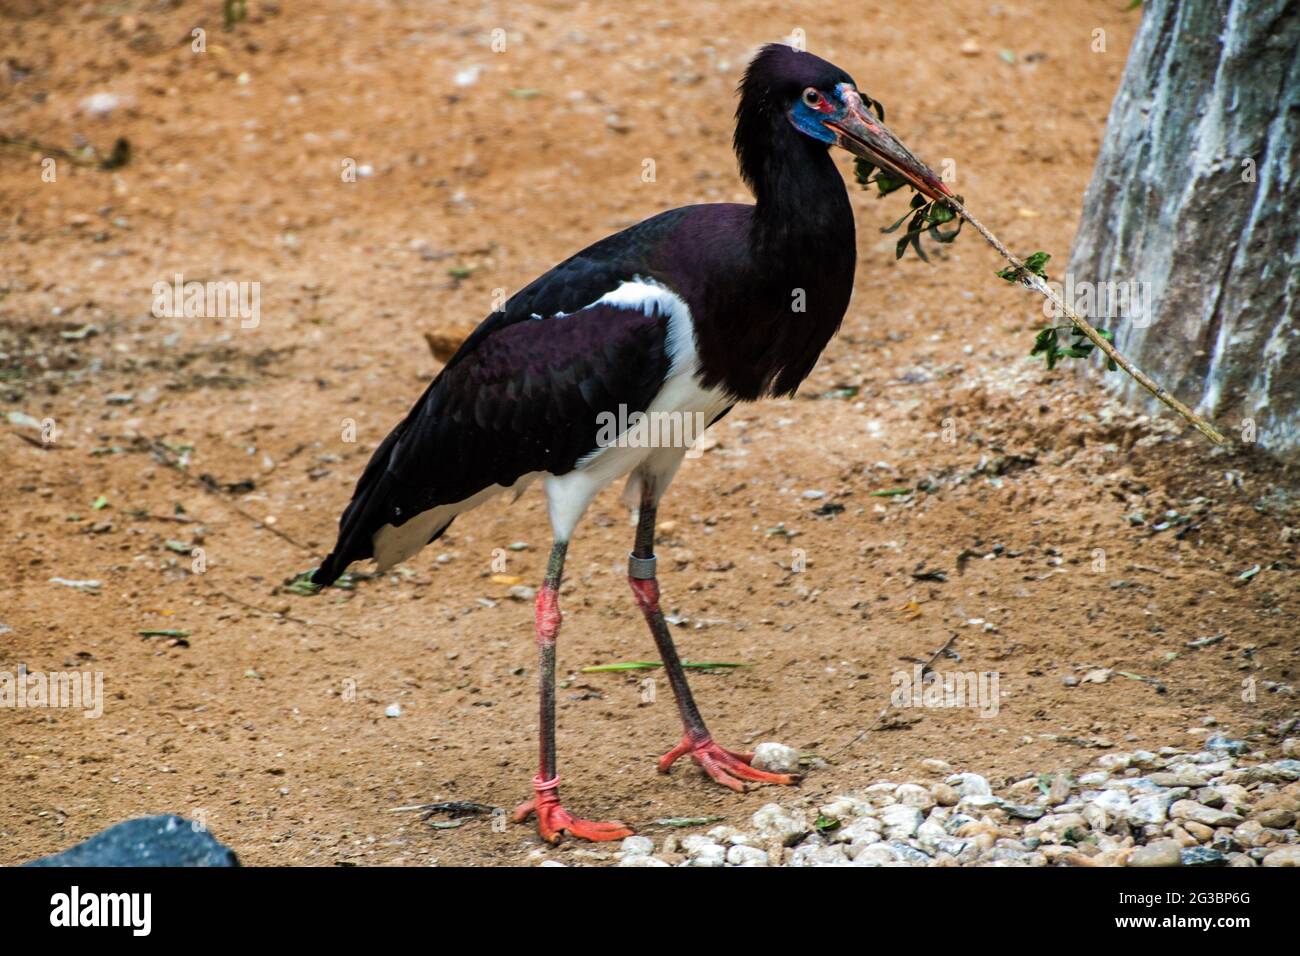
393	544
569	495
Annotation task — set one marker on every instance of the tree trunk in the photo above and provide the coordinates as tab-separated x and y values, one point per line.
1187	213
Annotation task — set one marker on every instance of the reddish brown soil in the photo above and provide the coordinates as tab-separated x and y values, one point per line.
236	174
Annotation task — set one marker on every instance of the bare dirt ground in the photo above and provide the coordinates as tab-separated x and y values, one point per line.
1044	507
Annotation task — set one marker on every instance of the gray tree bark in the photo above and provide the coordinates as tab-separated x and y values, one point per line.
1188	207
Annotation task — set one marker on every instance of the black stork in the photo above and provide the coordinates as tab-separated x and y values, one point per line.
686	313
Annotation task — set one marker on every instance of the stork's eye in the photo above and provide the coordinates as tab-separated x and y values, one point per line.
812	99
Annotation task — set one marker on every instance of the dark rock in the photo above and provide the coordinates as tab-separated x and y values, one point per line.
1202	856
166	840
1224	745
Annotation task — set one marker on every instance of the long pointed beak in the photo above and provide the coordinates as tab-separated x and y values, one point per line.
859	132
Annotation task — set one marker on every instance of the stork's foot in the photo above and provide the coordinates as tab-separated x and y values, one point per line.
730	769
553	821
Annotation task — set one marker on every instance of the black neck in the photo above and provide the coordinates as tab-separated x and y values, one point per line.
803	209
800	248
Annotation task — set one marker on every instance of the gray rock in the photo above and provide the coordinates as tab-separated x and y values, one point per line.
637	860
1186	778
909	855
1199	813
1157	853
957	821
1022	811
166	840
1224	745
1145	758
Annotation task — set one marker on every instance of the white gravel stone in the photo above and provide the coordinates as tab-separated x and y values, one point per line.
866	829
1098	819
727	835
970	784
832	855
776	758
1150	809
1242	816
746	856
773	822
901	822
637	846
1114	802
711	854
931	833
845	808
914	795
877	854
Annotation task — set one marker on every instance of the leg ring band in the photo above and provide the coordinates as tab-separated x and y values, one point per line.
641	569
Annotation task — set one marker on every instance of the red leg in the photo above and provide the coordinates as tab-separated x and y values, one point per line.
727	767
730	769
553	821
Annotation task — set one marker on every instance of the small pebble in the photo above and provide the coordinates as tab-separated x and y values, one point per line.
1159	853
1284	856
776	758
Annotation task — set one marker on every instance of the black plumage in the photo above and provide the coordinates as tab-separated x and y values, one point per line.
523	392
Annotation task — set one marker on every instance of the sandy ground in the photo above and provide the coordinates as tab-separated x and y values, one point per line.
1044	507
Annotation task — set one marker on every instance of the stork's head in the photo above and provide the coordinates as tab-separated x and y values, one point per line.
823	103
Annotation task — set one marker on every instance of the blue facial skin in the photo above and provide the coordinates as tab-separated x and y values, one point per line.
809	121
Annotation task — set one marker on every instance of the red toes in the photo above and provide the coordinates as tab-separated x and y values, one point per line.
728	768
553	821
